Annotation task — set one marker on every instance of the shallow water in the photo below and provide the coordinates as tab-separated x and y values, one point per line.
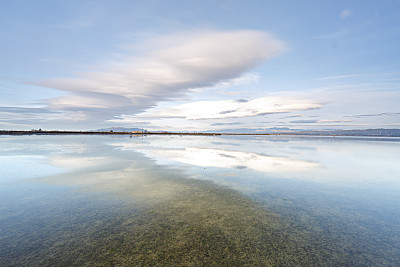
189	201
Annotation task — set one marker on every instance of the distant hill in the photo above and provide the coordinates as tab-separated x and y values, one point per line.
364	132
332	132
119	129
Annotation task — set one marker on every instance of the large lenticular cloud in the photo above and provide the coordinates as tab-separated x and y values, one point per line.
174	64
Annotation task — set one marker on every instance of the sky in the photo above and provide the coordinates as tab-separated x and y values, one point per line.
199	65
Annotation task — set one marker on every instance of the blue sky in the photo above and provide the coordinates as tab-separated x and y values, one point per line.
199	65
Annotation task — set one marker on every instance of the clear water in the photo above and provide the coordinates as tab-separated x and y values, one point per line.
192	200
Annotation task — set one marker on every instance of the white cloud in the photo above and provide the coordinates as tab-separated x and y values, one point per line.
170	67
345	13
338	77
234	108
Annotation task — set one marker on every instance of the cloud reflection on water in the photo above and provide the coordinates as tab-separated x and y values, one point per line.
207	157
350	163
126	174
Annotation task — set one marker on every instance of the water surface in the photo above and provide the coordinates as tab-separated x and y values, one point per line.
195	200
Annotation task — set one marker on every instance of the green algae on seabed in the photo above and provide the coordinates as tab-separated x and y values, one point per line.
203	224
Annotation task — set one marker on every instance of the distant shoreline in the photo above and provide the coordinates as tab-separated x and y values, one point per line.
97	133
327	134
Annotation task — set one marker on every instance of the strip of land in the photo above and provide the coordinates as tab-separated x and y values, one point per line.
349	133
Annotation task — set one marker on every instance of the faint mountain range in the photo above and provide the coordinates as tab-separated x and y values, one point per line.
364	132
331	132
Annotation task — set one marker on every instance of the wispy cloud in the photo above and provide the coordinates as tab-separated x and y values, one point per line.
375	115
38	115
334	35
292	116
345	13
320	121
225	123
304	121
338	77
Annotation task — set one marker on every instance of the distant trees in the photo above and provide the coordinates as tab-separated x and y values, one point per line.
34	130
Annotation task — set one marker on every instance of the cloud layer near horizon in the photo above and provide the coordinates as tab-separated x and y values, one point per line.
166	70
224	109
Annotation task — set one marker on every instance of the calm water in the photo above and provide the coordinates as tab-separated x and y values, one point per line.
190	201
